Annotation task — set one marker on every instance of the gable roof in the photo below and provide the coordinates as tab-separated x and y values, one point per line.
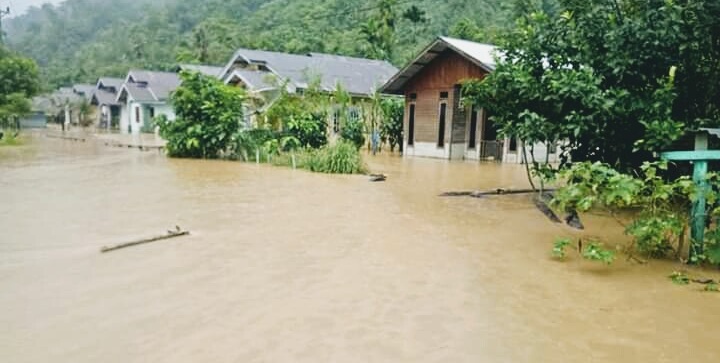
148	86
482	55
358	76
256	80
84	90
110	82
211	71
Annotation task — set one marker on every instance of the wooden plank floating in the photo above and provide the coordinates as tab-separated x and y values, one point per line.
480	194
377	177
170	234
131	146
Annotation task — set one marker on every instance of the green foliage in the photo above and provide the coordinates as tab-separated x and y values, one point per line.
616	80
18	83
341	158
391	128
659	207
354	132
208	117
559	247
679	278
713	287
595	252
106	38
10	139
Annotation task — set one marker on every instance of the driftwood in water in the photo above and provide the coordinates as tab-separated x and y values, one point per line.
543	207
573	220
71	138
378	177
704	281
170	234
480	194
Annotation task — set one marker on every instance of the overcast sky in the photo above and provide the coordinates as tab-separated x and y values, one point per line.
17	7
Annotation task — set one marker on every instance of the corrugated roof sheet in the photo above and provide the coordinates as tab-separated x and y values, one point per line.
357	75
111	82
255	80
149	86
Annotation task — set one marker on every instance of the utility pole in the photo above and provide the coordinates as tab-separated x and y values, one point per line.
3	13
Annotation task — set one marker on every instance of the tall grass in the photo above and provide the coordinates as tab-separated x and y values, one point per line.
341	158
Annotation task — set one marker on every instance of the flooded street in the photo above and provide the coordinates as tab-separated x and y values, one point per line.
289	266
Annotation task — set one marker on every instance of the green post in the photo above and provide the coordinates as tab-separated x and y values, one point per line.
697	231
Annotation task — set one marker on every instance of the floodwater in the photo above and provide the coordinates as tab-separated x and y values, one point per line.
289	266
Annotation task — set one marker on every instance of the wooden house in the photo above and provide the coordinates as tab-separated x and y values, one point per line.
436	124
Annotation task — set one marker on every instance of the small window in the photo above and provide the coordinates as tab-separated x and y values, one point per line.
413	96
472	138
411	125
137	114
443	95
354	114
513	144
152	112
441	125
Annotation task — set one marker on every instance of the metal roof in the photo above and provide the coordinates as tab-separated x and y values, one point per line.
254	80
483	55
149	86
356	75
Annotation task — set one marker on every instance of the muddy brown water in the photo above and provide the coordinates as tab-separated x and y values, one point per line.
289	266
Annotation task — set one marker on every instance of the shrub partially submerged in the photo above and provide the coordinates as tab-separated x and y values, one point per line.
341	158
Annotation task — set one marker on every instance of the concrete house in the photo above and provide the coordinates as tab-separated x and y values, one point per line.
262	72
105	99
436	124
143	96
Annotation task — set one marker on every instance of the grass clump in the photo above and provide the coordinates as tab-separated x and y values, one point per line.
341	158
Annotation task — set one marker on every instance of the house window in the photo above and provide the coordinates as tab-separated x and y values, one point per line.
336	121
152	113
354	114
411	125
413	96
137	114
472	138
443	95
513	144
441	125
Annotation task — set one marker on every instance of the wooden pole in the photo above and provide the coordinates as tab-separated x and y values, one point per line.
170	234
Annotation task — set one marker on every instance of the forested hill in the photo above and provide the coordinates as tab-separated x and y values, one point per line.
80	40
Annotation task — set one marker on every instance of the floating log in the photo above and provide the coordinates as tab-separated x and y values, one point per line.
543	207
479	194
79	139
378	177
704	281
170	234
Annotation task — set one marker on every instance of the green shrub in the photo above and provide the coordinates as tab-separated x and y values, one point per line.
353	131
341	158
208	117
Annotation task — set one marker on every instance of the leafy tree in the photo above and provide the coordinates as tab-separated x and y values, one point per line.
208	118
613	81
18	82
391	129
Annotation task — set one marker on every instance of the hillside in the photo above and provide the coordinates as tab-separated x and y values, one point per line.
81	40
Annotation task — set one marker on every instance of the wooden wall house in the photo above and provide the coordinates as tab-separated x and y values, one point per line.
436	124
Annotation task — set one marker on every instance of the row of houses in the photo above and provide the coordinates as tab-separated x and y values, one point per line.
436	124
